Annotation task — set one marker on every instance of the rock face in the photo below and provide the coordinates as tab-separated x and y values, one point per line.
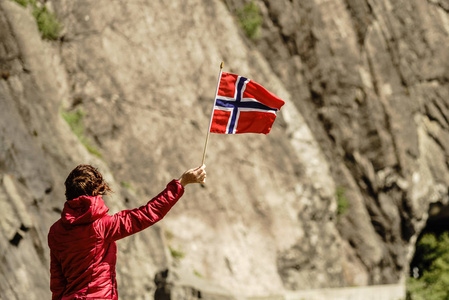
365	125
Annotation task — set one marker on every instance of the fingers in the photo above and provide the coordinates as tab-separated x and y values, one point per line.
199	170
200	174
197	175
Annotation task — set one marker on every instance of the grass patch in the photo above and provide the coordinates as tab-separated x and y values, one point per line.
169	235
47	23
92	149
197	274
342	201
176	254
127	185
75	121
250	19
23	3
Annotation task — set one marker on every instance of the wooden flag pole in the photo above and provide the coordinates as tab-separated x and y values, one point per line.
212	115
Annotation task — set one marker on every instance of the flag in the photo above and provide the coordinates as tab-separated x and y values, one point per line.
243	106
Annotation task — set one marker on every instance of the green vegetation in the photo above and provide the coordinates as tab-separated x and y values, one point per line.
48	24
197	274
430	266
177	254
127	185
250	19
169	235
24	3
75	121
342	201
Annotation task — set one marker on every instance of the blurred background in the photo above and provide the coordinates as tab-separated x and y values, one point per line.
350	188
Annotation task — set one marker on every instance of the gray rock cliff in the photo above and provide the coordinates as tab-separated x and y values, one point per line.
335	195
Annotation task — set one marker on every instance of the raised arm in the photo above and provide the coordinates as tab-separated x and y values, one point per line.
128	222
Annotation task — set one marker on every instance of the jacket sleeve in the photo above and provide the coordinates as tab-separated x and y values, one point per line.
128	222
57	279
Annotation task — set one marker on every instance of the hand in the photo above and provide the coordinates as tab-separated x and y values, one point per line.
197	175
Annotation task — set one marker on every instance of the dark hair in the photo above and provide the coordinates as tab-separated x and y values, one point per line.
85	180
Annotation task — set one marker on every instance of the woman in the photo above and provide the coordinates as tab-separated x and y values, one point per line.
82	244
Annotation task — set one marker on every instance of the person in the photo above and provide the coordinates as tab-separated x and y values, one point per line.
82	242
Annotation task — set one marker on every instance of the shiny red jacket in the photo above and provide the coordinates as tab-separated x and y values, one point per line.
82	244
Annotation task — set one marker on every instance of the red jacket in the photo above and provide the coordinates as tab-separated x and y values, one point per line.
82	244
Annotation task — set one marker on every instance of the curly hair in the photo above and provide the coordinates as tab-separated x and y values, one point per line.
85	180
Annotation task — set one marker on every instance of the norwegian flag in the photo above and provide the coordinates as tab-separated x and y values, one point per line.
243	106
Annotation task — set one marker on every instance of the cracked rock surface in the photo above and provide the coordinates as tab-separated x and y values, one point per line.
365	126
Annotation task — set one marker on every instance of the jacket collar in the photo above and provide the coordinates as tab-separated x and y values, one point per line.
83	210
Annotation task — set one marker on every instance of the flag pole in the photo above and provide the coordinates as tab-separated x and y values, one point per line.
212	115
